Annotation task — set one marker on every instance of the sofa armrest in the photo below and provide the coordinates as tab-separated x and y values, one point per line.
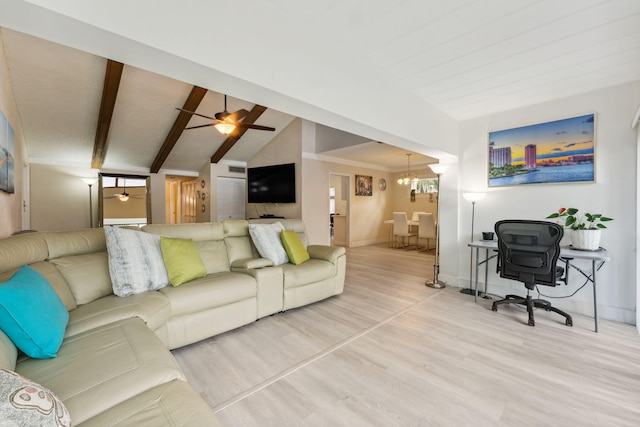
327	253
250	263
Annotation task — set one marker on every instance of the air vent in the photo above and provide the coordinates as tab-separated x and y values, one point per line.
237	169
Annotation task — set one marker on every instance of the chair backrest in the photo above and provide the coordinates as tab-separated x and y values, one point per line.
415	216
400	224
426	226
528	251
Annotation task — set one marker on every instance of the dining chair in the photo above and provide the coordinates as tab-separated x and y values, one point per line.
426	229
415	216
401	230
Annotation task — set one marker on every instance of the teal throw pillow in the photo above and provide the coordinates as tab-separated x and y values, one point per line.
31	314
296	251
182	260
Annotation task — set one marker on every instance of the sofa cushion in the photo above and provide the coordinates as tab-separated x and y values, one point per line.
293	246
103	367
135	261
170	404
26	403
212	291
151	306
311	271
63	243
8	352
31	314
87	275
266	238
21	249
213	254
182	260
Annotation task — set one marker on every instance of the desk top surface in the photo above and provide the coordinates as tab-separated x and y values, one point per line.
565	251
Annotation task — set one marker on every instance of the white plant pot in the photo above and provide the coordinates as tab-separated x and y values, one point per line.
586	240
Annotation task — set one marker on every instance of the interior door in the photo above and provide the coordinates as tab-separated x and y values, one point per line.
188	201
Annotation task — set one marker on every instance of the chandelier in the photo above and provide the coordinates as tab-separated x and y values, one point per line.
409	177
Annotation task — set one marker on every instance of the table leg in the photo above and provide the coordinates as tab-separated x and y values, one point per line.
486	274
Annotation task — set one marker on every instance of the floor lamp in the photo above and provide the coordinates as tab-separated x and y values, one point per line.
90	182
438	169
473	198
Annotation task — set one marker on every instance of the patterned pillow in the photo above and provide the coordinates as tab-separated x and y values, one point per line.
266	237
135	261
25	403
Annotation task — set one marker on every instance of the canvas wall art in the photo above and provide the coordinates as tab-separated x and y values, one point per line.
552	152
364	185
6	155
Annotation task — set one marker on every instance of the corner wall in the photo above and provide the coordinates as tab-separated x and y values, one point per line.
613	194
11	204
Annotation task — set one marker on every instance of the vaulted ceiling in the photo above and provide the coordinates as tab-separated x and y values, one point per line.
400	72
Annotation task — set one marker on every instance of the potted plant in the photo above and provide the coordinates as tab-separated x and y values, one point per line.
585	230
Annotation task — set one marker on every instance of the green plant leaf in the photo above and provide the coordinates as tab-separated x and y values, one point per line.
571	211
604	218
570	221
601	226
554	215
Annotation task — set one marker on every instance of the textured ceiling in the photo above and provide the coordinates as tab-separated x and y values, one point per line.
373	66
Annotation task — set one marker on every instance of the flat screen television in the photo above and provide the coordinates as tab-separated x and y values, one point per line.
272	184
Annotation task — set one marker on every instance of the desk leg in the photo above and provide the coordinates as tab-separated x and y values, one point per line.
486	274
477	267
595	294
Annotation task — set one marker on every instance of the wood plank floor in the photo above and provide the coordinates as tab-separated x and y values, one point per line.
391	352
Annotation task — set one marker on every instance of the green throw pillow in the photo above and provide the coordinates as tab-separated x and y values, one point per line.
296	251
182	260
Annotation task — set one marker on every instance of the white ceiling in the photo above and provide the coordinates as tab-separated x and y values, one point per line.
370	67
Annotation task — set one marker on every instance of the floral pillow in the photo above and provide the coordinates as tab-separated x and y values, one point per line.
25	403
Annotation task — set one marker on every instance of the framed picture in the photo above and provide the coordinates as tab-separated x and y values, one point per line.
552	152
6	155
364	185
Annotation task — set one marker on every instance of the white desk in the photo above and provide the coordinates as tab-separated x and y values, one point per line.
597	258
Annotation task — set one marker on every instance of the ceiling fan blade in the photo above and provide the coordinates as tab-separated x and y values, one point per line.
197	114
236	116
200	126
252	126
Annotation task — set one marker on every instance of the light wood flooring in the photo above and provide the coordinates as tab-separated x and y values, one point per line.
391	352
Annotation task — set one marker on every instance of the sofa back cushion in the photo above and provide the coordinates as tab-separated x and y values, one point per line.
296	225
87	275
208	237
62	243
238	240
16	251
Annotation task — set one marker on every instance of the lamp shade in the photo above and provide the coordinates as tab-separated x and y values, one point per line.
89	181
438	168
473	197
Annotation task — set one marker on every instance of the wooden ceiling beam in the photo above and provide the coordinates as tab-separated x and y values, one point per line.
112	79
191	104
253	115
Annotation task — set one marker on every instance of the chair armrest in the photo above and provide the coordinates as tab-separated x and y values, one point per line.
250	263
327	253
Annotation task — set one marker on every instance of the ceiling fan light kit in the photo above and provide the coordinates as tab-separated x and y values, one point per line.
225	128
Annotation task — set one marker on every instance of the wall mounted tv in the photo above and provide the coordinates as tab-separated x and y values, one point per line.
272	184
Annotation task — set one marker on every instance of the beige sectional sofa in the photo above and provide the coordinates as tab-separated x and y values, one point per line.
114	366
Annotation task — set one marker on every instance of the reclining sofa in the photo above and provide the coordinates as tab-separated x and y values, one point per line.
114	367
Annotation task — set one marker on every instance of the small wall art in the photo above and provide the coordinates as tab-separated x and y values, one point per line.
551	152
6	155
364	185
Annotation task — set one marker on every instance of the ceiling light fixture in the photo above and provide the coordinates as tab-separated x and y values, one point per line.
408	178
225	128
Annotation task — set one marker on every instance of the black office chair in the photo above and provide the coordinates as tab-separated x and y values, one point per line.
528	252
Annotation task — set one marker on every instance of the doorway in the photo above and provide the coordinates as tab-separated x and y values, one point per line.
180	199
339	209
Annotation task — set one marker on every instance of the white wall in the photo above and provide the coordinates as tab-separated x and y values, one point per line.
614	194
286	147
